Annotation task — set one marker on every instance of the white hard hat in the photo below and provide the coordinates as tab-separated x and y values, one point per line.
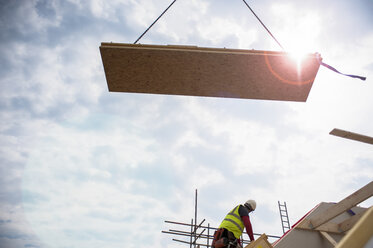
250	204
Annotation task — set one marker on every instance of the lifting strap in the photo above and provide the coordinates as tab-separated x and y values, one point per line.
335	70
154	22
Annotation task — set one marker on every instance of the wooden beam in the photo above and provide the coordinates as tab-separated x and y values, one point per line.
361	233
329	238
352	136
344	205
329	227
260	242
212	72
335	210
341	227
349	223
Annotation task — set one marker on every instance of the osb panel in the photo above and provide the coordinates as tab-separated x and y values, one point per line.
183	70
352	136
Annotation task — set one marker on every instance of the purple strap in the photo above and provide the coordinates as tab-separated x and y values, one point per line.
335	70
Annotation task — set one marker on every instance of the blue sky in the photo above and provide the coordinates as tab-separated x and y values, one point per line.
82	167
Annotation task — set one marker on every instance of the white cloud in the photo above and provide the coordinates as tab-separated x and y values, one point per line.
219	29
62	187
206	176
104	9
298	30
33	18
103	167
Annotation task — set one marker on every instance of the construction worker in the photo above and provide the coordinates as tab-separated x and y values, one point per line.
231	228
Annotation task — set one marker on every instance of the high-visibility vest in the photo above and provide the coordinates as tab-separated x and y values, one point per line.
233	222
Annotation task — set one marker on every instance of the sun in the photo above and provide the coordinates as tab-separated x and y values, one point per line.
299	31
298	56
299	44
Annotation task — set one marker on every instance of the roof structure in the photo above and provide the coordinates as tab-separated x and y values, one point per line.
308	238
212	72
329	224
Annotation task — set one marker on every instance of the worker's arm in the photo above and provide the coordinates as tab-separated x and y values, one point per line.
249	229
244	213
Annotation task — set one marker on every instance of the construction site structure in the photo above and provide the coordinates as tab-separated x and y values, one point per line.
201	235
327	225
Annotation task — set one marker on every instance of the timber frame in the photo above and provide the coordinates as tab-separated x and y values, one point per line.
361	221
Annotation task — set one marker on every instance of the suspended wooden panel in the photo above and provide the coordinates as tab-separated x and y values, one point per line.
352	136
194	71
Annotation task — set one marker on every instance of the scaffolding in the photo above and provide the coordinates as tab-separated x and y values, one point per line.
199	235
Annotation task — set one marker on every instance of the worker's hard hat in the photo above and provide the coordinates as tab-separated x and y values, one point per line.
251	205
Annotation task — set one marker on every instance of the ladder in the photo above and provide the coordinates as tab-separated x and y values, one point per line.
284	216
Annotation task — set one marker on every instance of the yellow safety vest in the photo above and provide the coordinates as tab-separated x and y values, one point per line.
233	222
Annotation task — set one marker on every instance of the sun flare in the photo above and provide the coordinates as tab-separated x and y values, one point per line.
298	56
299	31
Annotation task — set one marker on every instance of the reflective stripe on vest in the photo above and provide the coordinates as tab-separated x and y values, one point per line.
233	222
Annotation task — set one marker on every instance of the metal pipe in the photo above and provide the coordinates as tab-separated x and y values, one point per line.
182	241
188	235
195	220
191	232
177	232
203	236
185	242
195	240
214	228
208	234
181	234
185	224
200	224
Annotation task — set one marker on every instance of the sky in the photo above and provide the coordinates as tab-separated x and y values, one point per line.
84	167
